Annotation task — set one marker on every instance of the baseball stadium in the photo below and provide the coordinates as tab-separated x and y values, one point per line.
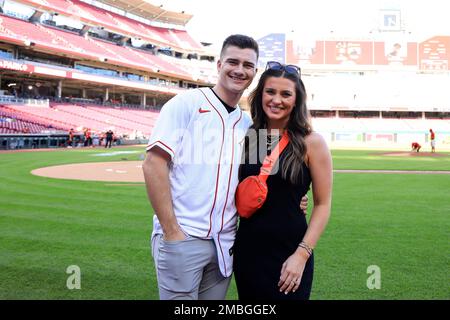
76	75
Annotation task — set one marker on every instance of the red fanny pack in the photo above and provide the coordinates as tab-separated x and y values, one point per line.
251	193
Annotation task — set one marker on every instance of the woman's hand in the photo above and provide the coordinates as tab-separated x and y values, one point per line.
304	203
292	271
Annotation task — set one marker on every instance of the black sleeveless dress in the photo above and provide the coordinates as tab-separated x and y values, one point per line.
265	240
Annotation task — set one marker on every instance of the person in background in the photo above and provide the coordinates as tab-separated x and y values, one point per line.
109	138
415	146
70	141
87	137
432	141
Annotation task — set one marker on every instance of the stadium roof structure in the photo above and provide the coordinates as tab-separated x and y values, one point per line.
93	16
150	11
47	39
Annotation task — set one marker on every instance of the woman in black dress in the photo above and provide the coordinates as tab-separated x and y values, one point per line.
273	249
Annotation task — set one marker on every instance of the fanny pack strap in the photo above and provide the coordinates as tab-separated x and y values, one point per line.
270	160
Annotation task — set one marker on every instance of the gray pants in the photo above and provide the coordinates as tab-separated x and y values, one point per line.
188	269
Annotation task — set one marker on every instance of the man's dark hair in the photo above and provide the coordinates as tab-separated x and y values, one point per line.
240	41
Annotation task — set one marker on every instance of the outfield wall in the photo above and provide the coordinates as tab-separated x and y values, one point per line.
341	139
385	140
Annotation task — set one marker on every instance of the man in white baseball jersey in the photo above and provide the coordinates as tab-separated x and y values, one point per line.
191	177
191	174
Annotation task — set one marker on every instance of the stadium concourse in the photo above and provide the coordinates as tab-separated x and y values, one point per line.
111	65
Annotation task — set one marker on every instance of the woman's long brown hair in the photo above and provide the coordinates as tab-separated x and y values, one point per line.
298	126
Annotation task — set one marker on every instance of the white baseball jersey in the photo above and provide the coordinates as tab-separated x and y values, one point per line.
205	142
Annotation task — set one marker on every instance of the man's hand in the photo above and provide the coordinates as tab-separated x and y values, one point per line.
174	236
304	203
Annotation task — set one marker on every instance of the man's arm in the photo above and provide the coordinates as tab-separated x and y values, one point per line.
156	174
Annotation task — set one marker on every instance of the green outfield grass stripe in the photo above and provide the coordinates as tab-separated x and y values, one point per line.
93	194
81	207
39	283
103	245
124	184
21	219
392	171
124	260
68	232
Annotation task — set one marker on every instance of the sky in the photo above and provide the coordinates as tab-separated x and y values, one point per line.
214	20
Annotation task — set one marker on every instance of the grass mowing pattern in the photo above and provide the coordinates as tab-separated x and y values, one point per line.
397	222
48	224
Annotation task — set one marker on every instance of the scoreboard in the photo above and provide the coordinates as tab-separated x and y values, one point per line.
430	55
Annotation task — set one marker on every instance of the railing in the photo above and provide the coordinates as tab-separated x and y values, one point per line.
98	102
32	141
29	102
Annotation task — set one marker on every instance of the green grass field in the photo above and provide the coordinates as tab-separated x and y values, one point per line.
397	222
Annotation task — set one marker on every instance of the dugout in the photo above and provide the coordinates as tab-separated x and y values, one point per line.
33	141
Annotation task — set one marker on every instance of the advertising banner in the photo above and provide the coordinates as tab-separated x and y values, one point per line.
349	52
434	54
